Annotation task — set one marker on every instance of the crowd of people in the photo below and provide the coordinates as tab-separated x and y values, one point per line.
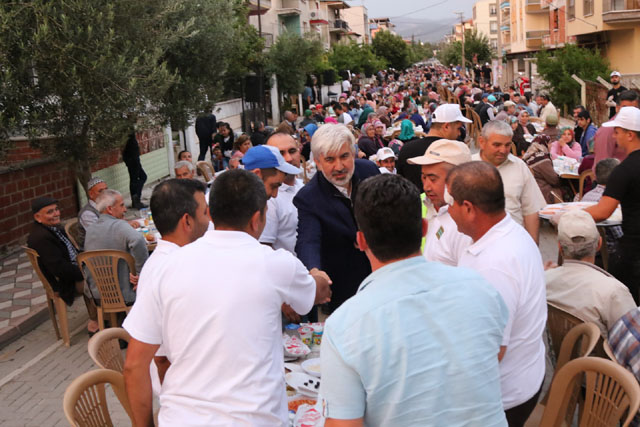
376	213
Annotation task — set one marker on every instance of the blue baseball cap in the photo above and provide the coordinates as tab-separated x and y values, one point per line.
265	157
492	98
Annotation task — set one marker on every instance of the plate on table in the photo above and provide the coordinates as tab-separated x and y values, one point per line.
551	210
312	367
303	383
294	347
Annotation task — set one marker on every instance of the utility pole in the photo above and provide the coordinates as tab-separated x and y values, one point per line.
464	67
263	115
499	44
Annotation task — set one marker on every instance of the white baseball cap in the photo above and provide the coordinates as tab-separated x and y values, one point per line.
577	223
449	113
385	153
615	73
443	150
627	118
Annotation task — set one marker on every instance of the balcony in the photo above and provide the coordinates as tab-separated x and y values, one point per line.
265	6
289	7
339	26
506	28
505	5
621	11
534	38
537	6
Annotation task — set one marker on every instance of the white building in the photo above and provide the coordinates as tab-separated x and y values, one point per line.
358	20
485	21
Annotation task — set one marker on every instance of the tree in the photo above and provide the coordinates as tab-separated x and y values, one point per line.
557	67
356	58
291	58
79	72
392	49
420	51
474	44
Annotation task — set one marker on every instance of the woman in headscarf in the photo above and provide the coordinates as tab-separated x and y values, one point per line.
383	115
522	129
380	131
366	142
364	115
566	145
307	134
538	159
406	131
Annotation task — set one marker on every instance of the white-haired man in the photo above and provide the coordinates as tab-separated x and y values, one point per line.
111	231
326	225
523	196
185	170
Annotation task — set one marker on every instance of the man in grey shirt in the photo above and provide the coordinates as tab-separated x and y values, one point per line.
111	231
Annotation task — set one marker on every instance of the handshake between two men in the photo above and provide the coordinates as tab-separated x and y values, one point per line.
323	294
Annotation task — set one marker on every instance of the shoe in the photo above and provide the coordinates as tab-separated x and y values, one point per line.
137	204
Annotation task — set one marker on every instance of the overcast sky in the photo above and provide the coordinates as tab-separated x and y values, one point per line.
428	20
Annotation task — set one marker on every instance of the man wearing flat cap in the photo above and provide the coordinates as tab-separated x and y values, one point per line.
58	255
579	286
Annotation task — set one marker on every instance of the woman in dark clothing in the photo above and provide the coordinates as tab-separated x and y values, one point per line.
523	128
224	139
366	142
538	158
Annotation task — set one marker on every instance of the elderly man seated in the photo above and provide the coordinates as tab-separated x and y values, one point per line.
89	213
112	232
58	255
580	287
185	170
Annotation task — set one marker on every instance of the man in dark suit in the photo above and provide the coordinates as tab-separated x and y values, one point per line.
326	225
205	128
58	255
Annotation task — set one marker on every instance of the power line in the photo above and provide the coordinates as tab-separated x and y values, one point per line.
419	10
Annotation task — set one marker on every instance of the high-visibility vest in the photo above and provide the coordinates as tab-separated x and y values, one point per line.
423	198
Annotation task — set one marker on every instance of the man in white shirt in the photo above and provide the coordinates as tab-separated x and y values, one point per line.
281	229
504	254
444	243
216	312
523	196
579	286
181	215
547	108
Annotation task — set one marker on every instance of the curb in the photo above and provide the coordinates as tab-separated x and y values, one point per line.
25	325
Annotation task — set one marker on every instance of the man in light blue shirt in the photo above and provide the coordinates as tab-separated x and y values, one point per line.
418	344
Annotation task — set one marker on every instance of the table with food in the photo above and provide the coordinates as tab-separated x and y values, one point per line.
148	229
303	373
551	210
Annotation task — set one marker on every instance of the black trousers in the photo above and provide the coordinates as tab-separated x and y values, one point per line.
625	266
137	178
518	415
204	146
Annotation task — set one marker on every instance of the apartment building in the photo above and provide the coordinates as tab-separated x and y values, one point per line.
358	20
456	31
380	24
485	21
320	17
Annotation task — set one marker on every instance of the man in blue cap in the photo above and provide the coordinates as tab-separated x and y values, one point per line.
267	162
485	108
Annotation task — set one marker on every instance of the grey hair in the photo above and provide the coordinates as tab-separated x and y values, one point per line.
106	199
497	127
579	248
331	137
183	163
604	169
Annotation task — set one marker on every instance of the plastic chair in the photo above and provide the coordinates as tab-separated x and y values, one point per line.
71	228
612	394
85	400
583	176
103	267
54	302
559	323
104	348
206	170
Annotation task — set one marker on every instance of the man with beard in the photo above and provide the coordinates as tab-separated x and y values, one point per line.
326	225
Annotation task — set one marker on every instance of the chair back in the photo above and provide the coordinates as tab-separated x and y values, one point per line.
205	170
583	176
71	228
559	323
104	348
578	342
33	259
477	123
85	402
612	394
103	267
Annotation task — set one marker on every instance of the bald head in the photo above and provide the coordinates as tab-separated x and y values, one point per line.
287	146
478	183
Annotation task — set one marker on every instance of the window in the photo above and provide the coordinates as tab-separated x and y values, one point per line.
493	27
571	9
555	21
587	6
494	44
493	11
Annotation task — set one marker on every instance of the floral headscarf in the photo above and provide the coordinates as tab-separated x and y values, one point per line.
537	151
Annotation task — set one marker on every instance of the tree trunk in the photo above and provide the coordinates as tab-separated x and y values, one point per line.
82	169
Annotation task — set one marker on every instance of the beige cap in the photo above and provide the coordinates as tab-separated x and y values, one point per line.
577	223
443	150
